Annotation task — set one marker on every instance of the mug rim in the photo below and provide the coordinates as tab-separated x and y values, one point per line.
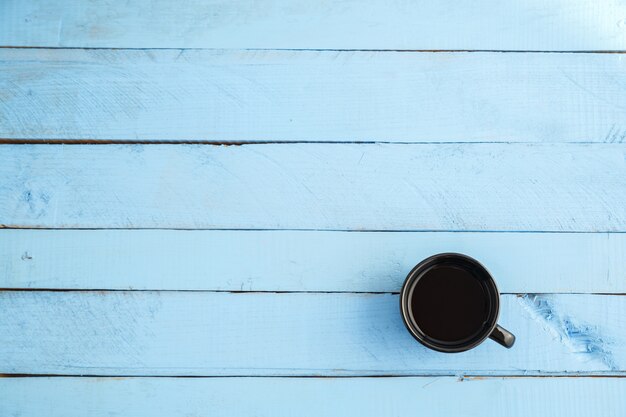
421	337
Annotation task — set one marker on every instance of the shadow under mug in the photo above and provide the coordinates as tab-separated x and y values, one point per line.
475	287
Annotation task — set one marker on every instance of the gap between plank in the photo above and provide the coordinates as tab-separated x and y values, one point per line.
241	143
10	141
233	143
17	227
507	51
460	377
103	290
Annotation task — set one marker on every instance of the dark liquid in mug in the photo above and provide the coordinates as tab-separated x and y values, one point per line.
450	304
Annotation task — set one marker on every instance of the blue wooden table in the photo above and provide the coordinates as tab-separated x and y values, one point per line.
208	208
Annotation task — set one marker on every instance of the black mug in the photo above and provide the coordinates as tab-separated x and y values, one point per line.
450	303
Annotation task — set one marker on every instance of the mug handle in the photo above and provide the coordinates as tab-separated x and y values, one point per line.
502	336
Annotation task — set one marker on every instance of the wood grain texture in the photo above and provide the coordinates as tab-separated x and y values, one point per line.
483	24
301	261
213	333
208	95
275	397
503	187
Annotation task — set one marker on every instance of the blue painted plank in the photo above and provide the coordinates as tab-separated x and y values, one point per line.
208	95
301	260
276	397
269	334
468	187
446	24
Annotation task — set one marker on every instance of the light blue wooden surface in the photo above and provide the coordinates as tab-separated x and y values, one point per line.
274	397
334	24
463	187
319	300
207	95
301	260
213	333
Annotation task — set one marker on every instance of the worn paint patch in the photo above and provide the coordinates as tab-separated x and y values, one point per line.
581	338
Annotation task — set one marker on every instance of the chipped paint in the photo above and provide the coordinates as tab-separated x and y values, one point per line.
581	338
